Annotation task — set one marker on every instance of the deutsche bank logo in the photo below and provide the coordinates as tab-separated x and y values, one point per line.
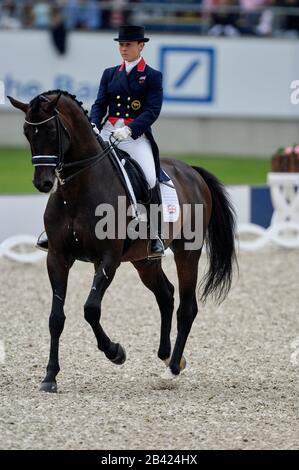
2	92
188	73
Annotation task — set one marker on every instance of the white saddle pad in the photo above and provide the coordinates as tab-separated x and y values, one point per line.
170	202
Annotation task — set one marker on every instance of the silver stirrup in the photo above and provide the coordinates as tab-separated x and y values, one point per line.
151	255
39	242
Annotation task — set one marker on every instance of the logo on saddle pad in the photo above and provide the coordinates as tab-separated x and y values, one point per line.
171	209
136	105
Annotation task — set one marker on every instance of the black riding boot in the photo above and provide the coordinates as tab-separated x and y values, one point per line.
42	242
157	245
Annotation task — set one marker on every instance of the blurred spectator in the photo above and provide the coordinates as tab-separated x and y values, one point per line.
291	22
265	26
41	15
250	15
224	22
58	30
118	14
27	15
83	14
8	15
106	13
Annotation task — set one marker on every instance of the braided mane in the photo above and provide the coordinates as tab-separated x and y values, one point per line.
36	101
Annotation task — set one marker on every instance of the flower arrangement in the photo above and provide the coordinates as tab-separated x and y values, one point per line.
286	159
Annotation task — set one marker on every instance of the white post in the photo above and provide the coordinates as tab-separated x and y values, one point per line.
285	197
284	227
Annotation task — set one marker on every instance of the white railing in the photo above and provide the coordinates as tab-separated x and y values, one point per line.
284	227
14	248
283	230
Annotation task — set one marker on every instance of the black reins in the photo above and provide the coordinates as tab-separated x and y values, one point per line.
92	161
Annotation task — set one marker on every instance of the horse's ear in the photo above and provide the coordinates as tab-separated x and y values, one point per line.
51	105
18	104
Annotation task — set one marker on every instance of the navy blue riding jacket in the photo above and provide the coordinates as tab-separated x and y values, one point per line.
136	97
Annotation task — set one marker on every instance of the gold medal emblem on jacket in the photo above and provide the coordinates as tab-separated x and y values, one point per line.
136	105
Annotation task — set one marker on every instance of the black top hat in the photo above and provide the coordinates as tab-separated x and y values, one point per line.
131	33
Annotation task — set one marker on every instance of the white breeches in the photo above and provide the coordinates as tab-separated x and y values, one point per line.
139	149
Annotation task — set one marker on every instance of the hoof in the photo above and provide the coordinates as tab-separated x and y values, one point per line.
166	361
168	375
50	387
183	363
120	357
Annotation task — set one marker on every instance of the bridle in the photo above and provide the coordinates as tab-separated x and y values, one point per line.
57	161
52	160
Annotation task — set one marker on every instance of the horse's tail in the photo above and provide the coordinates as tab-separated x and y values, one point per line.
220	242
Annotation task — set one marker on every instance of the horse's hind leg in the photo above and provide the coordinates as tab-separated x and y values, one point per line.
104	274
187	268
153	277
58	270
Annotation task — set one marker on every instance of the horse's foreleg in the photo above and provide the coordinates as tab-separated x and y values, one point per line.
58	270
92	312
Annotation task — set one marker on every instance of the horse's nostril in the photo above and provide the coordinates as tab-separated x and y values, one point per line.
47	185
44	186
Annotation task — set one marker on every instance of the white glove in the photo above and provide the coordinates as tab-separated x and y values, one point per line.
122	133
95	129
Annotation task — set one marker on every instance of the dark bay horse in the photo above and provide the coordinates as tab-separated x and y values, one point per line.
64	147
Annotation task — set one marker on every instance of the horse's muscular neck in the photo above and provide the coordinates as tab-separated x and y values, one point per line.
84	145
83	141
83	149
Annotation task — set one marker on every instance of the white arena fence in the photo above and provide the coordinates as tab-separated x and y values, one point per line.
9	249
23	214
